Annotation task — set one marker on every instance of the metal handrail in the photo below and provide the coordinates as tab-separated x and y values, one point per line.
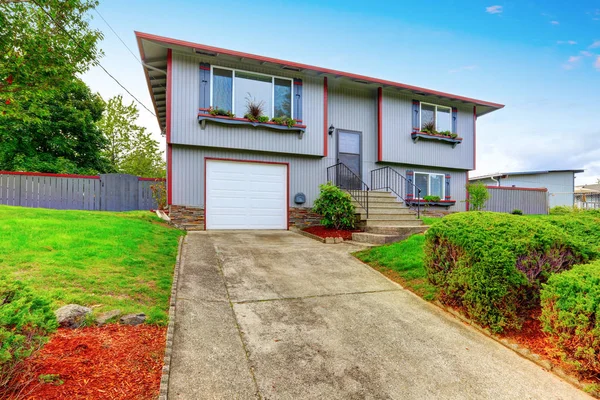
343	177
389	179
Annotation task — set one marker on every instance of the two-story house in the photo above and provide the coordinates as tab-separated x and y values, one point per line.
263	170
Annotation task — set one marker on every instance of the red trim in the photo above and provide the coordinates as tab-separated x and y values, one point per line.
203	67
196	46
325	117
434	135
254	162
169	174
152	179
518	188
243	119
299	83
467	193
204	109
49	174
425	201
474	137
379	123
168	92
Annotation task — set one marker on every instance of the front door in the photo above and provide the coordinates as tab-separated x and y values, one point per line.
349	153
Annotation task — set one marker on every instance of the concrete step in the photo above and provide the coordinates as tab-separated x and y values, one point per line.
385	211
384	206
192	227
403	216
404	231
378	200
374	238
378	194
393	222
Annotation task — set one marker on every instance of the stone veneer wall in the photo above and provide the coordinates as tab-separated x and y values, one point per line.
183	216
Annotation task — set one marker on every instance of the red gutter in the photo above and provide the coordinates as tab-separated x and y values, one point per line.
325	117
518	188
217	50
168	128
379	123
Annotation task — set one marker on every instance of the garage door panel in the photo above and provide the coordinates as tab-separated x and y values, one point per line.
242	195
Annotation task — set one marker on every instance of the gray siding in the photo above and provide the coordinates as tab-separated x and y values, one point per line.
398	146
305	174
507	200
560	185
186	129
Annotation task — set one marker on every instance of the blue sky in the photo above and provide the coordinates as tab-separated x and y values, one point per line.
539	58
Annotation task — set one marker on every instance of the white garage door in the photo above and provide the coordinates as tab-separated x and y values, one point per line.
244	195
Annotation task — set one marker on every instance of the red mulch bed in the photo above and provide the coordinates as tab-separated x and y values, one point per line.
323	232
109	362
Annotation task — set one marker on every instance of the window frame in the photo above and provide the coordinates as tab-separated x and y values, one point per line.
273	77
435	114
443	196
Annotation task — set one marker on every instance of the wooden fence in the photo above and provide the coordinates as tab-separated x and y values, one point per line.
105	192
509	198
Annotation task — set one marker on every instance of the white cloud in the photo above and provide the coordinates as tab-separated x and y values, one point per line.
596	44
571	42
494	10
574	59
464	68
571	62
555	22
586	53
597	63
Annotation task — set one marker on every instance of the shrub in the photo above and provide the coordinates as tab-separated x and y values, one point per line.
263	119
478	195
563	210
159	194
491	265
336	207
571	315
516	211
25	321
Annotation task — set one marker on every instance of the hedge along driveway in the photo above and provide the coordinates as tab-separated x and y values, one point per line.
108	260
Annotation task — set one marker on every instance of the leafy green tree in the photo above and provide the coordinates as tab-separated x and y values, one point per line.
43	45
64	138
130	149
478	195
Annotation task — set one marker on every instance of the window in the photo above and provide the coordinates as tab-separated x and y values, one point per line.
430	184
436	118
232	89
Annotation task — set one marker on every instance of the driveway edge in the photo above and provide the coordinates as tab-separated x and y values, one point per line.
164	379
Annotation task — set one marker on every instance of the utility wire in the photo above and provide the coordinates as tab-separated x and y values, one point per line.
100	65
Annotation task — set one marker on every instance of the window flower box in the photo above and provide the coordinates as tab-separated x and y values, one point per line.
417	135
440	203
203	117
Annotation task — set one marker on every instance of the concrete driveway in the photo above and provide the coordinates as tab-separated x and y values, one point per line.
275	315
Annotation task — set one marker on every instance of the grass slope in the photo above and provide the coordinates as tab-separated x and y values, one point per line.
99	259
403	263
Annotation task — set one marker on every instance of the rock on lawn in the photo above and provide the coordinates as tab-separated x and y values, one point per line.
72	315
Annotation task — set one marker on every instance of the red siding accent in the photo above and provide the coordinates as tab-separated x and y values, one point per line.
169	174
168	91
49	174
255	162
474	137
379	123
212	49
517	188
325	117
205	68
201	114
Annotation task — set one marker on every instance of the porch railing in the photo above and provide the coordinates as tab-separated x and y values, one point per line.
387	178
343	177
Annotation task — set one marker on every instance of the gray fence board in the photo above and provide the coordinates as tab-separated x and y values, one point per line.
108	192
507	199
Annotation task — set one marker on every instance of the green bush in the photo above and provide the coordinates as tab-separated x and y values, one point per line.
516	211
25	321
563	210
491	265
432	198
336	207
478	195
571	315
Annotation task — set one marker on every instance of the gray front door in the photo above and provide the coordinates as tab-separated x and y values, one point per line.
349	152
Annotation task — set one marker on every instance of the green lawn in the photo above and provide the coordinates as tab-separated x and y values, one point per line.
98	259
403	263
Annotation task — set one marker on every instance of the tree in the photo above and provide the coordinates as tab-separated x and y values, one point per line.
43	45
64	138
130	149
478	195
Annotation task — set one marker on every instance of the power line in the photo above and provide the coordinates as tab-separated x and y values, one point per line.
100	65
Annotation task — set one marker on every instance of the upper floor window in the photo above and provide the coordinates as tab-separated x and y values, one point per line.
232	90
430	184
435	118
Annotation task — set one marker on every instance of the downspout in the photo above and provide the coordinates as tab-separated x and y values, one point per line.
497	181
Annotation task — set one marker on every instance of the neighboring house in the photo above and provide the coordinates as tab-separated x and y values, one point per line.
587	196
559	183
245	174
